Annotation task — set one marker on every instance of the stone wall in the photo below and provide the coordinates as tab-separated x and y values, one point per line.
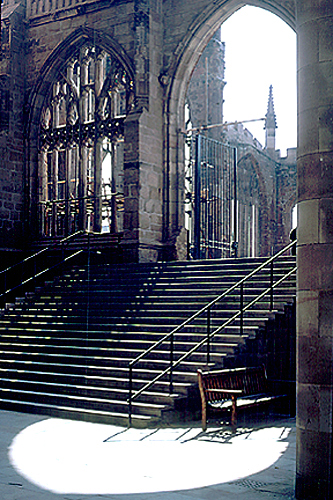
151	38
132	30
12	125
32	52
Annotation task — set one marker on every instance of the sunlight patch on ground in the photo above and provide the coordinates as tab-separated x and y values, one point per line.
69	457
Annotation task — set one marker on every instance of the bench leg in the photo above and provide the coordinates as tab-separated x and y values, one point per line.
234	411
203	417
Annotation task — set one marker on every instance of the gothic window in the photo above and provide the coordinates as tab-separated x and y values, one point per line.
80	148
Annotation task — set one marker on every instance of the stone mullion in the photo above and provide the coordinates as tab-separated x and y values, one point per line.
42	189
114	162
67	191
74	192
55	105
70	70
83	107
98	152
84	91
99	75
83	187
54	197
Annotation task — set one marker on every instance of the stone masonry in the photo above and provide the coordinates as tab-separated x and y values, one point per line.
154	47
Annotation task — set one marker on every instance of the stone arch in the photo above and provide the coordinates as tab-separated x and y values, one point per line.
177	78
199	33
61	55
287	213
46	77
264	237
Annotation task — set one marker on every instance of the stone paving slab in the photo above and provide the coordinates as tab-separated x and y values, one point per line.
40	455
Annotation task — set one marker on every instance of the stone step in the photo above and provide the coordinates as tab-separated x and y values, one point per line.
77	412
58	357
115	383
92	369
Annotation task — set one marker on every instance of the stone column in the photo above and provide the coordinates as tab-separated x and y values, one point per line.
131	187
315	249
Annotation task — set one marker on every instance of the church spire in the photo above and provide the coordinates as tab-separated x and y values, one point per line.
270	122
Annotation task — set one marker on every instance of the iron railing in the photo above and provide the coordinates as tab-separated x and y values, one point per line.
29	270
207	309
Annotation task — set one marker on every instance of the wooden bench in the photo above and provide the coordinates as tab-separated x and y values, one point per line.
222	390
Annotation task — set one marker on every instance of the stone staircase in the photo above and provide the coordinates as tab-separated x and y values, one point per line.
65	348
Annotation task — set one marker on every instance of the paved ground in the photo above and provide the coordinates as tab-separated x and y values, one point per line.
43	458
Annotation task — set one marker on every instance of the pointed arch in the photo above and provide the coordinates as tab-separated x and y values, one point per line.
176	81
76	114
264	236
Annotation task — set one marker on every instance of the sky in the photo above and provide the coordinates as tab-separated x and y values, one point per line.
260	50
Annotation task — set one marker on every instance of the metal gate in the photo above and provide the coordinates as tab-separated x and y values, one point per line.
211	198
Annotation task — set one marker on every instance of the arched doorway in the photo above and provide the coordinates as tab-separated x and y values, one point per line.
255	223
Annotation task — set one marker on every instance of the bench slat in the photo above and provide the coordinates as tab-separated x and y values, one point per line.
221	389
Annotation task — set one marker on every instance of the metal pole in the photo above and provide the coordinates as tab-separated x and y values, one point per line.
234	229
241	308
35	271
208	335
62	257
130	391
197	196
171	364
206	93
271	283
88	285
188	245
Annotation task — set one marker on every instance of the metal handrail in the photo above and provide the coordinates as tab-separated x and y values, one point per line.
210	335
35	256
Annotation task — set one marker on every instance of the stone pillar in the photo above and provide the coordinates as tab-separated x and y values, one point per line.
315	250
142	239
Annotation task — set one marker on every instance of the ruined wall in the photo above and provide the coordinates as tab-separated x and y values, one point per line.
159	43
12	85
268	185
132	30
205	92
286	196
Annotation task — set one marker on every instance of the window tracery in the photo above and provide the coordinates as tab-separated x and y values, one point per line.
80	147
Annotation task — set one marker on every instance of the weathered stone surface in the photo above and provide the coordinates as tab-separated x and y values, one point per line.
159	44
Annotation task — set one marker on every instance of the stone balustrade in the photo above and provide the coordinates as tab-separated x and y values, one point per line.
37	8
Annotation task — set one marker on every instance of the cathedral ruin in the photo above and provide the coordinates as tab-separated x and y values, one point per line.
93	100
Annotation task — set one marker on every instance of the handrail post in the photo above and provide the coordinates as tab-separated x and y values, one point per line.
197	197
130	392
35	272
62	257
241	308
171	364
88	252
88	286
271	302
22	272
208	334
